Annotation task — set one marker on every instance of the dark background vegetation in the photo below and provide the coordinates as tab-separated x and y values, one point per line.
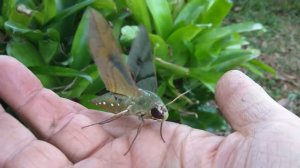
194	42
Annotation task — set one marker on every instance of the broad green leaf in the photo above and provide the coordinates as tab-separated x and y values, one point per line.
140	12
60	71
48	81
180	53
191	11
80	85
216	12
161	89
263	66
25	52
161	15
254	69
80	49
205	41
107	4
208	78
47	12
186	33
67	12
48	49
8	7
160	47
208	119
53	34
18	29
1	22
230	59
21	13
176	6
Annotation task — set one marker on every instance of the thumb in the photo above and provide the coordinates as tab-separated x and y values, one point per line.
243	102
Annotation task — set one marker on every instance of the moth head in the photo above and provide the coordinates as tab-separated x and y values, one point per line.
159	112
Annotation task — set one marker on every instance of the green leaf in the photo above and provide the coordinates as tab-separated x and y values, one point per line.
21	14
208	119
176	6
216	12
80	85
186	33
140	12
7	7
1	22
205	41
160	47
25	52
230	59
17	29
48	81
80	49
48	49
191	11
161	89
208	78
161	15
48	11
67	12
254	69
263	66
107	4
60	71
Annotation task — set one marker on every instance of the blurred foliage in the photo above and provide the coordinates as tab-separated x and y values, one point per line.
191	48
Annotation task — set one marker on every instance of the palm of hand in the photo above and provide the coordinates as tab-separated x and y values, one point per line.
266	133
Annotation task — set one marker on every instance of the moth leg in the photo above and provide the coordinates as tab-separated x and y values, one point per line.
114	117
136	135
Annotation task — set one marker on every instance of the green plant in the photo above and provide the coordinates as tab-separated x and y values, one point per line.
191	48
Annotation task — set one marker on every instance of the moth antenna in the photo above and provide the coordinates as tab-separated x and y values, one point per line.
182	94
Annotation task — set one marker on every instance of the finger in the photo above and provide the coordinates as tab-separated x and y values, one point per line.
50	117
19	147
243	102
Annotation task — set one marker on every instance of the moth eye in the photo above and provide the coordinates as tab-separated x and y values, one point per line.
156	113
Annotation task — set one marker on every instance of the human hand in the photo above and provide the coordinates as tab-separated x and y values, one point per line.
267	135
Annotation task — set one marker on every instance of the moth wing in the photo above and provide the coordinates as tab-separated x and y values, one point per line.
111	102
107	56
140	61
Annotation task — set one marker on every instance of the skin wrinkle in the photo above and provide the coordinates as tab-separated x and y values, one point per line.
53	126
99	147
215	151
183	144
249	158
30	97
232	152
17	152
169	148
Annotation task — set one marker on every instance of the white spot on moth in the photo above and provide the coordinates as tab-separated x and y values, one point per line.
104	103
118	104
111	104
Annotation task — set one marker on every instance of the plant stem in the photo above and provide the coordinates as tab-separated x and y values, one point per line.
178	70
